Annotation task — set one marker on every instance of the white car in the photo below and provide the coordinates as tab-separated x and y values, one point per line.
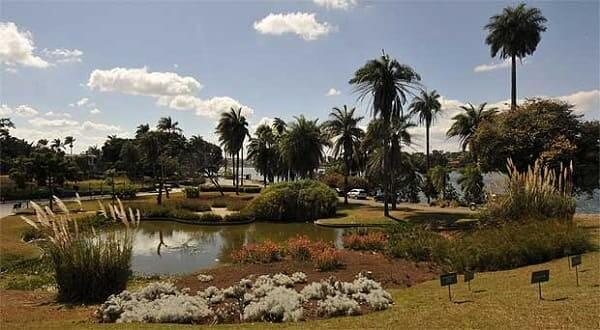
357	194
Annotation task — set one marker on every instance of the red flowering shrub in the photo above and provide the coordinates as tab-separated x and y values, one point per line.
301	248
264	252
374	240
328	259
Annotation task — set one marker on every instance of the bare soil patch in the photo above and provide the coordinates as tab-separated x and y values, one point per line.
391	273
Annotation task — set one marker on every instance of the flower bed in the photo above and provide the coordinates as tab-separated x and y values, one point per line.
266	298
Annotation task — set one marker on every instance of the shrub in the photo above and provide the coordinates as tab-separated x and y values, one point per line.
417	243
338	305
210	217
236	204
193	205
516	245
239	217
87	267
538	193
191	192
328	259
301	248
264	252
219	203
489	249
295	201
374	240
156	211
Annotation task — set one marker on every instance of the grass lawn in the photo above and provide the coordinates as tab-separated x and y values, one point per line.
503	299
372	215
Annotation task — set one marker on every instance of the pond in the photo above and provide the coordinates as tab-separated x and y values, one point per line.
193	247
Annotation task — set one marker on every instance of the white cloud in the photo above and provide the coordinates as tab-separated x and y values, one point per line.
586	103
170	90
142	82
95	111
17	47
495	66
211	107
336	4
82	102
302	24
57	114
333	92
62	55
19	111
43	122
88	125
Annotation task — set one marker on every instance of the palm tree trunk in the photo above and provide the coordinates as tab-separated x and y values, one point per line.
346	181
427	153
237	174
386	193
513	91
242	177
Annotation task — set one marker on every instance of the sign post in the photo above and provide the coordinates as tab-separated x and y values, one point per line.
447	280
575	262
539	277
469	276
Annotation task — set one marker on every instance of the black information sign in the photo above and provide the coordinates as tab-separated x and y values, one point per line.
448	279
469	276
540	276
576	260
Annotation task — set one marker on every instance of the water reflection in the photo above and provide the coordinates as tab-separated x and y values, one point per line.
170	248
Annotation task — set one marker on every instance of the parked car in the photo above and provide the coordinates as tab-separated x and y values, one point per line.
379	197
357	194
339	192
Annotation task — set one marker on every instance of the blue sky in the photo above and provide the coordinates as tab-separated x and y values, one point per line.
135	62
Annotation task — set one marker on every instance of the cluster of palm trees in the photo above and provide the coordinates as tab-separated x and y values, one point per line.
296	149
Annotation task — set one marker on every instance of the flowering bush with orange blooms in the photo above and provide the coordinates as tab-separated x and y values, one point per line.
328	259
374	240
264	252
301	248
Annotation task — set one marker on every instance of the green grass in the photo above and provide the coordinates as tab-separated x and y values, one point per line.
366	215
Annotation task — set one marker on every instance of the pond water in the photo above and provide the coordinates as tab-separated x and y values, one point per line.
192	247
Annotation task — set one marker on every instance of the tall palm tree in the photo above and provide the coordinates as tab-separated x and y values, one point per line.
166	124
233	130
141	130
56	144
387	83
342	127
302	147
426	107
69	140
466	123
516	32
279	125
261	151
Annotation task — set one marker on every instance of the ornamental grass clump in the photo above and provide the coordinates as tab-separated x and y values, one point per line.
88	266
328	259
538	193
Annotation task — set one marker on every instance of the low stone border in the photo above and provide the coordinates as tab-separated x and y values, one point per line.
349	225
192	222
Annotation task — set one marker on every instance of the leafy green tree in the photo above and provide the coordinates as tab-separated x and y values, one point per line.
343	128
426	107
466	124
166	124
130	159
471	183
302	147
515	33
386	82
261	150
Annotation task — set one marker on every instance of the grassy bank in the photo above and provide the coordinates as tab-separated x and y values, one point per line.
499	300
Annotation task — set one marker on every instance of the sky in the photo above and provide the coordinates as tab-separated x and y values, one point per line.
95	68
